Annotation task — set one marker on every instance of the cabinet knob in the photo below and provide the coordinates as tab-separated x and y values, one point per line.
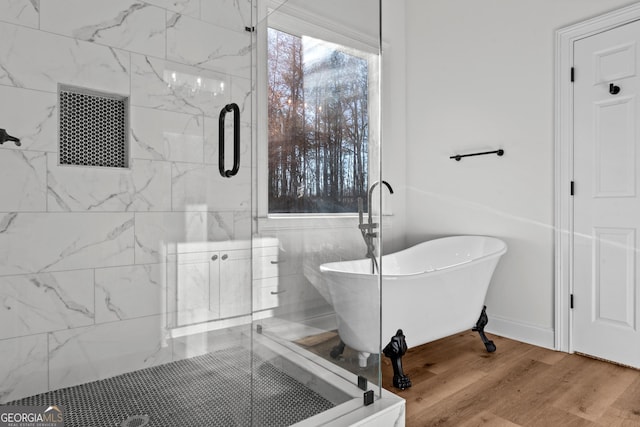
215	257
225	256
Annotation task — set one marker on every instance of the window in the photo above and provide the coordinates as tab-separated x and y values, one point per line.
318	125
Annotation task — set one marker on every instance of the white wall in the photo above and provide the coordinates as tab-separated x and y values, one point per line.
480	77
361	16
394	123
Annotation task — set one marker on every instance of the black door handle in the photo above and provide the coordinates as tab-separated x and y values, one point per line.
236	140
613	89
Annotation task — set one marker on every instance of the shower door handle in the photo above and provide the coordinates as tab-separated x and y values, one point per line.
236	140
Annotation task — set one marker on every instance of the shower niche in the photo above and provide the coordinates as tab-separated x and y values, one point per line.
93	128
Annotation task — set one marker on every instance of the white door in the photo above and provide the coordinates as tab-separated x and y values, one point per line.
606	198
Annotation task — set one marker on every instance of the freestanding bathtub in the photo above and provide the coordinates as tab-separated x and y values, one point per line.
431	290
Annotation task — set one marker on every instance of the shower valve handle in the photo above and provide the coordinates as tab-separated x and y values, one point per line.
4	137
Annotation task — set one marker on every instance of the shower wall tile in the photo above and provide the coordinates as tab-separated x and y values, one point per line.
232	14
129	292
132	25
201	187
242	225
96	352
198	343
241	95
185	7
21	12
38	242
146	186
45	302
24	174
37	60
29	115
83	265
227	51
221	226
165	85
165	135
23	371
156	231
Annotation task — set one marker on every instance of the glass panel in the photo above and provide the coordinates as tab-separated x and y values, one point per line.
317	289
127	291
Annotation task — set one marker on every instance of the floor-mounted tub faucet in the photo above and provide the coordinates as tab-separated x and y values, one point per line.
368	229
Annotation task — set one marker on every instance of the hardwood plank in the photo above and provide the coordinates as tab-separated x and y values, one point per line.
615	417
440	387
552	417
314	340
625	411
478	396
536	396
487	419
596	387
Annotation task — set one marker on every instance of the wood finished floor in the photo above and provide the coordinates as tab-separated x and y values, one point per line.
457	383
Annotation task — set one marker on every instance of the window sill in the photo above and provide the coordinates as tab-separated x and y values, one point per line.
312	221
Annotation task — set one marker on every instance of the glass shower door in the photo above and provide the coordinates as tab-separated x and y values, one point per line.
209	270
317	158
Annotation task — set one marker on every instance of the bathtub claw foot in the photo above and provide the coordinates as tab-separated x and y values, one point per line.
479	328
337	350
396	348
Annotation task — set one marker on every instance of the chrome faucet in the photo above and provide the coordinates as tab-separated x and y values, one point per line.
368	229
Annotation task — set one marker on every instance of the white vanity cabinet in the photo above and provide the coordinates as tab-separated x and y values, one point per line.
205	284
208	281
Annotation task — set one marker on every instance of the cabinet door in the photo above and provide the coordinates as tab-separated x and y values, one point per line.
235	283
191	288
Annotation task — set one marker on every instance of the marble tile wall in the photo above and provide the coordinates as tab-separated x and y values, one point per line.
82	266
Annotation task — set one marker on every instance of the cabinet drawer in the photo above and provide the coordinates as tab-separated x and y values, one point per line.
266	294
265	267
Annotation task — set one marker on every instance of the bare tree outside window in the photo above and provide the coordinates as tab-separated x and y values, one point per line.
318	124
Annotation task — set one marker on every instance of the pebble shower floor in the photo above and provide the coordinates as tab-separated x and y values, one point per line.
209	390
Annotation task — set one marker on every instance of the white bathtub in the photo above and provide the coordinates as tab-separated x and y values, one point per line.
430	291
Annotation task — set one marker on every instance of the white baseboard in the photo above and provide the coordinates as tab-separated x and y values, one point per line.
530	334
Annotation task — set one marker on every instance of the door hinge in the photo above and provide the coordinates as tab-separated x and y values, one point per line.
572	188
571	302
573	74
368	397
250	29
